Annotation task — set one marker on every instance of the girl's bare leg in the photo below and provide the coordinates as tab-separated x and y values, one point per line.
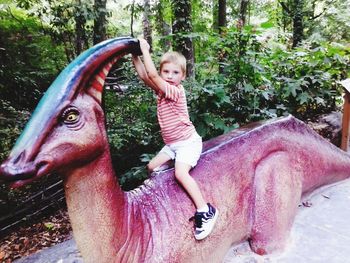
190	185
158	160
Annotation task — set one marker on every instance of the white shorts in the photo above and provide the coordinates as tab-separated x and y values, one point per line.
187	151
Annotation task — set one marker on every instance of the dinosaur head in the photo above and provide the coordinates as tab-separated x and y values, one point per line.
67	127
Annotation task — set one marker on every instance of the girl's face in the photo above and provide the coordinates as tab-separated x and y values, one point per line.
172	73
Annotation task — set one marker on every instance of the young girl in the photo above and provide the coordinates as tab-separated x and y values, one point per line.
182	142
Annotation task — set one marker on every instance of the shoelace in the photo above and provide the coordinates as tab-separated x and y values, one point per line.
197	219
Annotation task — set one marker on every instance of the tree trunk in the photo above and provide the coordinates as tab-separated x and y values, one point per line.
80	38
100	21
215	9
162	27
222	23
286	16
147	27
298	26
182	26
132	18
295	10
243	11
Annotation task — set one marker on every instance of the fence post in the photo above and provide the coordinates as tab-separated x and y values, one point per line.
346	115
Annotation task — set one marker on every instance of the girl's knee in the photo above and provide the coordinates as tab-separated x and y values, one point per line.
180	175
150	167
182	170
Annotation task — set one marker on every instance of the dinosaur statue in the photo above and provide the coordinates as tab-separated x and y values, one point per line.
255	175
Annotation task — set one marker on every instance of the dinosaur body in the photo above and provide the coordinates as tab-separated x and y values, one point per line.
255	175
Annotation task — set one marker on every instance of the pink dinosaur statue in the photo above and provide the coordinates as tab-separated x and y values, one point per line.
255	175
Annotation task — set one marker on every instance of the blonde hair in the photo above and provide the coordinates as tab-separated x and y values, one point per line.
174	57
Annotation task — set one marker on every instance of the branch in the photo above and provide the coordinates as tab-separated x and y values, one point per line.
13	16
285	7
324	10
132	18
320	14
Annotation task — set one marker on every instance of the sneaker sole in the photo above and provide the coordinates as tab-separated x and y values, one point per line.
200	237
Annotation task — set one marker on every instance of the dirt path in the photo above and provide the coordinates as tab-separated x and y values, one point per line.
28	239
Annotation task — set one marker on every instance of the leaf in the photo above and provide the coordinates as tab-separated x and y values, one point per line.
220	92
202	129
300	53
265	95
303	97
320	100
49	225
207	90
248	87
219	124
145	158
267	25
230	128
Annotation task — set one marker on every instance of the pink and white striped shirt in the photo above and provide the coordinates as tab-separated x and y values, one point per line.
172	112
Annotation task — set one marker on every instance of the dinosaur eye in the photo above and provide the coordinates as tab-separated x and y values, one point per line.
70	116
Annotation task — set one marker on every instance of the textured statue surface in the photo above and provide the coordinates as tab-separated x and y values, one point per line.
255	175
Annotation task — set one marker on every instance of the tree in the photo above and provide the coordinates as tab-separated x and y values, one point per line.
147	27
161	24
294	9
243	11
182	27
215	14
100	21
81	42
300	12
298	26
222	23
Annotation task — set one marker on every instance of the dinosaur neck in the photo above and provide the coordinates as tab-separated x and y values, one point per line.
97	207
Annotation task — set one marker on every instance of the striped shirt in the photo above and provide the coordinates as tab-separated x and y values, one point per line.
173	118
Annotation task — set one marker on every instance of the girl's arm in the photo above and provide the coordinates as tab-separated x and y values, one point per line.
158	83
141	71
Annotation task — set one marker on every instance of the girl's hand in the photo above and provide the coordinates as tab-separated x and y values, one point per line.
144	45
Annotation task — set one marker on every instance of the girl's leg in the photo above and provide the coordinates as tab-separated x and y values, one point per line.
204	220
190	185
158	160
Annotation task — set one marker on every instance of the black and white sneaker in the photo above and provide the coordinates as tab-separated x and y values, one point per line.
204	222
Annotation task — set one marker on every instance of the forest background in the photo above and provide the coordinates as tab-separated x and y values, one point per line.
247	61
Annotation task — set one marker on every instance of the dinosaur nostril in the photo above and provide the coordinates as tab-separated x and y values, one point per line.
19	157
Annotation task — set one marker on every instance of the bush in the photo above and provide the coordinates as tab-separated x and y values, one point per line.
132	126
29	60
11	125
260	81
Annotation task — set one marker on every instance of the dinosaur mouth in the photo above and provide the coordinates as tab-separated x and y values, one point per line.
17	177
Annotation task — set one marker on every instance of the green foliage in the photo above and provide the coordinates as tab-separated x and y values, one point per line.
262	81
136	175
334	24
11	124
65	14
131	125
305	79
29	60
26	4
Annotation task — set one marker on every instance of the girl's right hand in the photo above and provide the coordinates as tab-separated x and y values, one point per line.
144	45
